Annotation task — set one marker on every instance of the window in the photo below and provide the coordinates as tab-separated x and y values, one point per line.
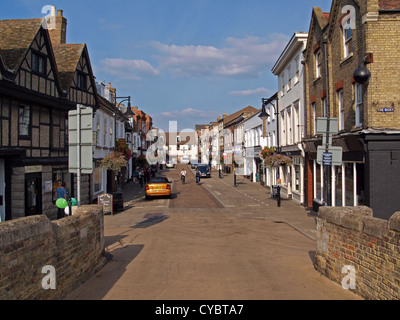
347	38
283	84
341	110
314	108
39	63
297	66
82	81
359	106
24	121
296	122
318	64
105	133
97	177
289	126
289	71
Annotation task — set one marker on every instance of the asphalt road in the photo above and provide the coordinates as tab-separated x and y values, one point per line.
193	248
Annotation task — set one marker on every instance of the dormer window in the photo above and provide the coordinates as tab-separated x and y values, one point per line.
39	63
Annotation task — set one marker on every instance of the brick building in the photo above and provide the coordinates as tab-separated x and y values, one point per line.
356	33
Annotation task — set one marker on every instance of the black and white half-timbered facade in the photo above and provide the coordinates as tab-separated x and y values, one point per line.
41	79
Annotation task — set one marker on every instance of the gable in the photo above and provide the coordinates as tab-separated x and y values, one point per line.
319	22
75	72
38	70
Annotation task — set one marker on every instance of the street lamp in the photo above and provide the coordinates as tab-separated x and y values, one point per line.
264	116
361	75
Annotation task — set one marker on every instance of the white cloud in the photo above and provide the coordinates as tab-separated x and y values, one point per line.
186	113
240	58
128	69
259	91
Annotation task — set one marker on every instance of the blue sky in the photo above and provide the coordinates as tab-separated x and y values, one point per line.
182	60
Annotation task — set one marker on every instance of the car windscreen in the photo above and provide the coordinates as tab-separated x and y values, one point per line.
203	168
159	180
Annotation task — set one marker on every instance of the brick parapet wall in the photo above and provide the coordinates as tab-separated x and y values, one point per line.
74	246
351	236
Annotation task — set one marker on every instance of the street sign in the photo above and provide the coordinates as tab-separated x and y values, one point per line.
80	128
327	159
322	125
331	158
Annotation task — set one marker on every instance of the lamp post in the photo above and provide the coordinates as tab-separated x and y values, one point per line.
127	113
264	116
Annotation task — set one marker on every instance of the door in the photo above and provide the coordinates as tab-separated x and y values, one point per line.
2	192
33	194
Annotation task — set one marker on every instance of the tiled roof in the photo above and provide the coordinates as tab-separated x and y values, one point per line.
389	4
67	57
16	36
248	110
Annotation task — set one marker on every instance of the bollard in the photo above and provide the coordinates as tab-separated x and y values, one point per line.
279	196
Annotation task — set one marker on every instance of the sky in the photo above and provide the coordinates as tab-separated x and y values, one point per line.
187	61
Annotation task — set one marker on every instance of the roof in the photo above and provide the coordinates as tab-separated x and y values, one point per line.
16	37
67	57
389	4
186	137
246	111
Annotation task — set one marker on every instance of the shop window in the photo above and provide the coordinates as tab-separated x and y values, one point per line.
349	184
97	176
60	176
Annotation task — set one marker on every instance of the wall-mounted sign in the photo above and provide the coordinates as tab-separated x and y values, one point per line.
385	110
33	169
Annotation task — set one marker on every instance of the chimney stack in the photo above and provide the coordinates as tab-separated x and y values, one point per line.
57	27
224	115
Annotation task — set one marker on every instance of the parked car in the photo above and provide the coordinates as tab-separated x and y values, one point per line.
194	164
205	170
170	164
185	160
158	187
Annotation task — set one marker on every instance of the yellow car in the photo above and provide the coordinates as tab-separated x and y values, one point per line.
158	187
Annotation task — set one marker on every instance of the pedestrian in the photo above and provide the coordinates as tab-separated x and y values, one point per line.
197	176
183	175
136	175
61	194
140	176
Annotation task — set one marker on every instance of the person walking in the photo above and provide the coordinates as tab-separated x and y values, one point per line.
197	176
141	177
61	192
183	175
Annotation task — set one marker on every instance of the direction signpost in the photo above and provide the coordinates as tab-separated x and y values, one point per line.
80	141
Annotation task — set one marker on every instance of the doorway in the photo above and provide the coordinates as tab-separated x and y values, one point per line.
33	194
2	192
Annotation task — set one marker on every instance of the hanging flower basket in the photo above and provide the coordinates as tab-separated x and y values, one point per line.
267	152
114	161
125	151
276	160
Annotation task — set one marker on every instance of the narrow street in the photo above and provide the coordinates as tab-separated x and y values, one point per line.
191	247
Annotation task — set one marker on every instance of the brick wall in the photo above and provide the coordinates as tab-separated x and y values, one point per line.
350	236
74	246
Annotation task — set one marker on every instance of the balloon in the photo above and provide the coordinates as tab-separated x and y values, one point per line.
61	203
73	201
66	210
